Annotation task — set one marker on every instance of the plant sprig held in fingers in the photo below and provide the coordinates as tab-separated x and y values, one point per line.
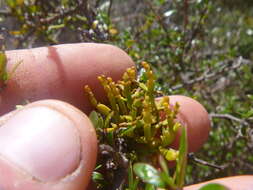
136	129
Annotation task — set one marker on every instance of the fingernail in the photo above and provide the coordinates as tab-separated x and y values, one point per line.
42	142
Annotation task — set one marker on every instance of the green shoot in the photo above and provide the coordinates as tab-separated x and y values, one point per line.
137	128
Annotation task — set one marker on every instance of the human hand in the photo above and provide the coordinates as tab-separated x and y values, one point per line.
50	144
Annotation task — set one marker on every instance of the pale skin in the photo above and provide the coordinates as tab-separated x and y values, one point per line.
50	144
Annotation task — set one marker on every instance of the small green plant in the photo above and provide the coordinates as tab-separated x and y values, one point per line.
135	132
4	74
3	63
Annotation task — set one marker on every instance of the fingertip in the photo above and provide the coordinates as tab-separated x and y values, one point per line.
60	72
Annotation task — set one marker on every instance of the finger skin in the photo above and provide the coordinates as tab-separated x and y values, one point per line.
232	183
60	72
14	178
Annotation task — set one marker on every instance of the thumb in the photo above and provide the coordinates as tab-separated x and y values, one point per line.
47	145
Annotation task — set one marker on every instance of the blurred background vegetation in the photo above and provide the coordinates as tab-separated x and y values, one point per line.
198	48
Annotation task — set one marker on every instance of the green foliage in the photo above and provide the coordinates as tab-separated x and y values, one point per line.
3	64
49	22
149	174
201	49
197	50
162	179
213	186
182	161
4	74
147	126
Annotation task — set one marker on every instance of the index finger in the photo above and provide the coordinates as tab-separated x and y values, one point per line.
60	72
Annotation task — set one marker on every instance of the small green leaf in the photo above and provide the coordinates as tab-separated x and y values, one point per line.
247	114
96	176
142	77
168	180
97	167
110	138
163	164
182	159
3	62
213	186
143	86
148	174
133	181
96	120
108	119
58	26
129	132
